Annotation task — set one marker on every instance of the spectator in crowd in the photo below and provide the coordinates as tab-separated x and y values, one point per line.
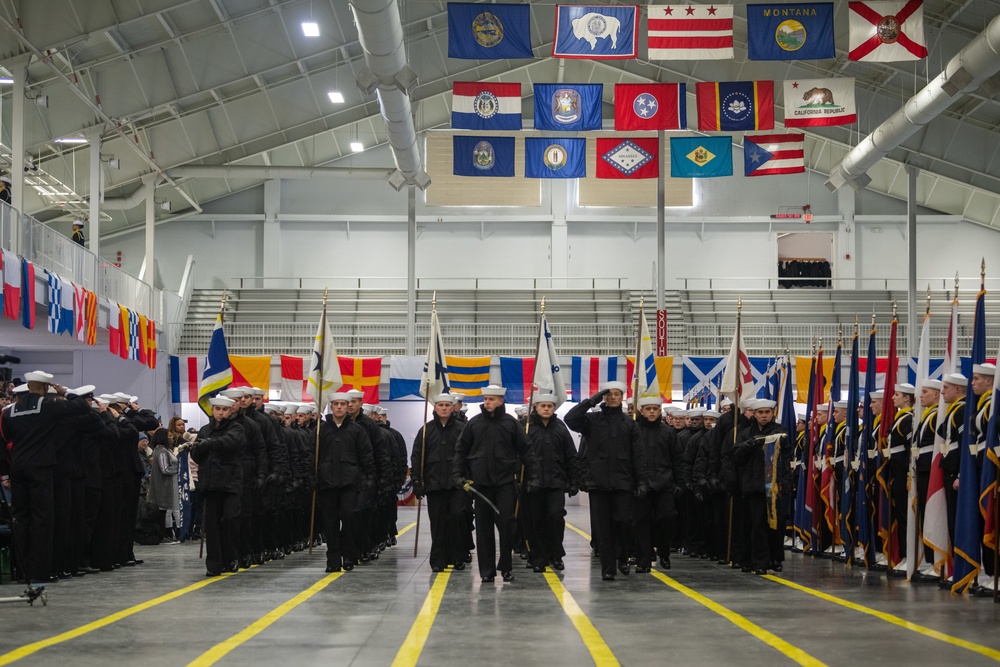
163	481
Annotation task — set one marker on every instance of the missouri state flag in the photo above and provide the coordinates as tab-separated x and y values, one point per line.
690	32
549	157
479	156
485	106
701	157
489	32
819	102
799	31
628	157
650	106
886	31
773	154
568	107
596	32
735	106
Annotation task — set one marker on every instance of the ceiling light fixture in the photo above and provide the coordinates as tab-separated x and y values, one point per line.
357	146
336	96
310	29
6	80
71	140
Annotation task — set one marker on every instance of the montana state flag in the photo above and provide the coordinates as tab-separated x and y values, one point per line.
363	375
701	157
801	31
735	106
483	156
489	32
631	157
650	106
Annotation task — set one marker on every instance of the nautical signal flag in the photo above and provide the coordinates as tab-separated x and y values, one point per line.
735	106
800	31
489	32
468	375
650	106
295	378
483	156
663	376
549	157
184	375
701	157
596	32
516	374
485	106
27	294
887	31
773	154
11	284
363	375
587	374
819	102
690	32
568	107
634	157
251	371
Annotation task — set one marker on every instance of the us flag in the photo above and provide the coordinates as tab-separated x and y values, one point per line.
690	32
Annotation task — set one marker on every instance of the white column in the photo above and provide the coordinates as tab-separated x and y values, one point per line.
911	256
19	68
149	182
848	243
271	255
411	268
96	193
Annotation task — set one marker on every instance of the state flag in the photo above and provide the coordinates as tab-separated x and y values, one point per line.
27	294
11	285
701	157
548	157
251	371
587	374
799	31
184	375
772	154
634	157
690	32
485	106
596	32
489	32
735	106
886	31
294	378
650	106
568	107
819	102
404	377
483	156
363	374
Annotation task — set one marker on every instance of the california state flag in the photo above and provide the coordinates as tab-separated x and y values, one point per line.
887	31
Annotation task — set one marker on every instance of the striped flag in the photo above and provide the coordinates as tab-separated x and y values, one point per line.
404	377
690	32
27	294
485	106
184	375
55	299
134	340
468	375
218	374
90	316
516	374
888	523
589	373
914	538
11	285
294	378
773	154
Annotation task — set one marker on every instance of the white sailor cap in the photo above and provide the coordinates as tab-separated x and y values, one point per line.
20	389
747	402
543	397
608	386
38	376
107	398
78	223
84	390
680	412
521	410
800	411
444	398
458	396
306	410
355	393
877	394
670	408
221	401
381	409
696	412
464	408
840	405
712	414
906	388
234	392
271	407
367	408
340	396
932	384
257	391
823	407
956	379
101	400
494	390
649	400
725	402
762	404
984	369
122	397
5	179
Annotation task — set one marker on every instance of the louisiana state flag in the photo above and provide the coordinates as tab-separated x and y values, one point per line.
546	157
483	156
489	32
568	107
363	374
801	31
701	157
735	106
468	375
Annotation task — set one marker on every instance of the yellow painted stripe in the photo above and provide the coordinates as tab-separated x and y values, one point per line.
578	531
895	620
29	649
791	651
400	533
413	645
599	650
222	649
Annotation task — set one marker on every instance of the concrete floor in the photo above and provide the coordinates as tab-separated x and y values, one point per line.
363	617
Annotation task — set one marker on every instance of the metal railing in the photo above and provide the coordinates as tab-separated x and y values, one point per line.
763	283
451	283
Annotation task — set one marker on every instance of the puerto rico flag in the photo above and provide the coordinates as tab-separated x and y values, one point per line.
772	154
485	106
589	373
690	32
650	106
185	374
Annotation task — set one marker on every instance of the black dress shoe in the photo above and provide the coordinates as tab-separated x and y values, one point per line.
348	567
458	567
392	541
744	568
91	570
922	578
507	576
138	561
538	568
246	562
722	561
79	573
331	568
608	576
665	562
760	570
523	555
641	570
624	568
776	566
487	580
468	557
558	564
213	573
437	569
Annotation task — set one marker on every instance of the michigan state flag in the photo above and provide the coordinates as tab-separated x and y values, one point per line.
483	156
701	157
568	107
547	157
489	32
801	31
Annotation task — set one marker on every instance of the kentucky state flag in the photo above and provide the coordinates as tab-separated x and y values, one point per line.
483	156
489	32
632	157
547	157
801	31
735	106
568	107
597	32
701	157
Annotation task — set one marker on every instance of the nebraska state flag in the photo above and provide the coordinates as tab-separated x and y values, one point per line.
363	375
633	157
819	102
887	31
650	106
735	106
772	154
690	32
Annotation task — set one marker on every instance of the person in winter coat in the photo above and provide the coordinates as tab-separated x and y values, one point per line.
163	492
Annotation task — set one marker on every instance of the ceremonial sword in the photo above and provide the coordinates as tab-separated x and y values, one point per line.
468	487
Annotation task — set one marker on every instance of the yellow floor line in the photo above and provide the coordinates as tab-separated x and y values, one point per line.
578	531
403	530
413	645
599	650
895	620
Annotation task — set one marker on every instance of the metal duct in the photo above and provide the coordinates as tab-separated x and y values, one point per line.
978	61
125	203
268	173
386	72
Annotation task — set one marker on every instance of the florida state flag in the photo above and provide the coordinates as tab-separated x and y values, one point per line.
887	31
633	157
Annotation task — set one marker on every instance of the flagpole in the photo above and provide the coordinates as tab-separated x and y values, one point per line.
635	365
222	317
736	419
531	397
423	430
319	421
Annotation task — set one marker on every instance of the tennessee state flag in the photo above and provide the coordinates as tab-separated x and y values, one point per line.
363	375
735	106
650	106
516	374
632	157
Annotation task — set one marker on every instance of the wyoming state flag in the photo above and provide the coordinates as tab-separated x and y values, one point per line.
701	157
596	32
800	31
735	106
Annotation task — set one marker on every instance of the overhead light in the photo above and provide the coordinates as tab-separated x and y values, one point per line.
115	163
336	96
4	80
71	140
310	29
357	146
42	101
166	205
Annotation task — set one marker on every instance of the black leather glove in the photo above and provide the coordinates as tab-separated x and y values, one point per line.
699	496
596	398
418	490
678	491
272	479
261	481
642	490
572	491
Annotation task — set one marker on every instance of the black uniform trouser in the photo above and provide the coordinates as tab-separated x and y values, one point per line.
923	481
91	508
898	496
697	525
719	535
361	522
545	525
104	542
197	507
776	536
78	536
755	532
612	512
505	498
446	511
246	522
128	511
338	515
391	516
222	525
62	498
470	525
655	516
32	507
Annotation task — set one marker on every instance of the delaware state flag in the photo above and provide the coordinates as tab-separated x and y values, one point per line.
568	107
801	31
485	106
489	32
650	106
546	157
635	157
483	156
597	32
701	157
735	106
773	154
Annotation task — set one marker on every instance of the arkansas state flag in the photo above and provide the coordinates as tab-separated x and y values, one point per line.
185	374
363	375
27	294
735	106
690	32
887	31
650	106
636	157
772	154
485	106
294	378
516	373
